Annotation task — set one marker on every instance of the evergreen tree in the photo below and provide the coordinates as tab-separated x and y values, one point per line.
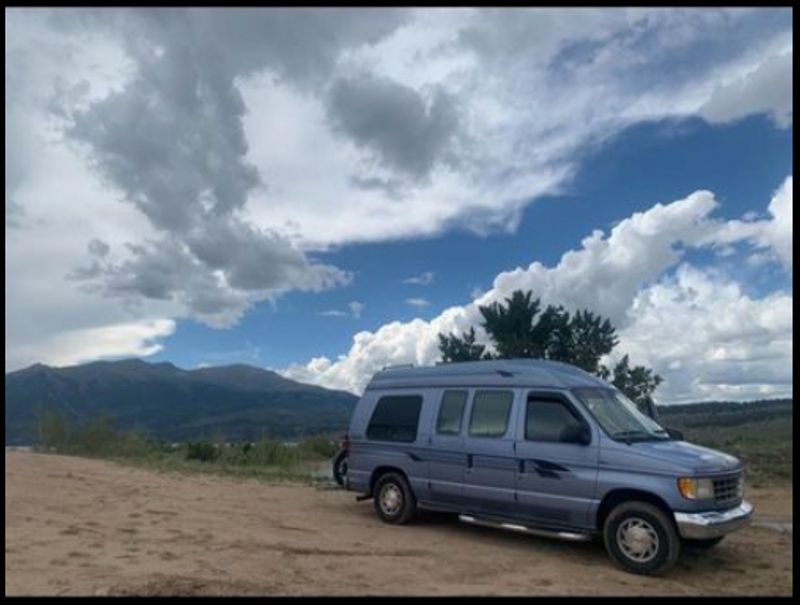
464	348
519	328
590	337
512	328
638	383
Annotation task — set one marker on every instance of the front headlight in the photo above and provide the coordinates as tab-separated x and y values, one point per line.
696	489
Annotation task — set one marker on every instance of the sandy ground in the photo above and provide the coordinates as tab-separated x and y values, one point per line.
89	527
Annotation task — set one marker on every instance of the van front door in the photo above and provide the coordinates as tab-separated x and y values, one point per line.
557	460
489	474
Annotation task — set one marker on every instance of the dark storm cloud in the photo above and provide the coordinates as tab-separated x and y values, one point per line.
98	248
250	257
394	121
173	141
213	277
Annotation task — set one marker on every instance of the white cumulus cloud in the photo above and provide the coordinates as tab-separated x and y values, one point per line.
134	339
709	339
699	330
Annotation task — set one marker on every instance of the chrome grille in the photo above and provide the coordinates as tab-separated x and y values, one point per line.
728	490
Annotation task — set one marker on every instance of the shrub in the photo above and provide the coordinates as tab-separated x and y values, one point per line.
52	430
135	444
319	446
98	438
236	454
202	451
268	452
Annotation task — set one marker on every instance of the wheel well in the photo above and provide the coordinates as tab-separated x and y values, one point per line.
382	470
618	496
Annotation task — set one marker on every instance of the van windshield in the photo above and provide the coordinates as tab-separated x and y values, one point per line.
619	416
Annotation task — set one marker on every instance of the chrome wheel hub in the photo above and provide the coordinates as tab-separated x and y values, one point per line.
391	499
637	539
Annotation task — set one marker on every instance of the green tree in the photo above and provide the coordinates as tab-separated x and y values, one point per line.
512	326
519	328
586	339
464	348
638	383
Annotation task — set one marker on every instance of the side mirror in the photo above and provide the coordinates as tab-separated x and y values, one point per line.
576	433
675	434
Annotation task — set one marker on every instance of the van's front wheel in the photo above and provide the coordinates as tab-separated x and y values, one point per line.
394	500
641	538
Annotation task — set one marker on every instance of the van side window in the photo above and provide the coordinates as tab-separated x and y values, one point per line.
450	412
547	419
490	412
395	418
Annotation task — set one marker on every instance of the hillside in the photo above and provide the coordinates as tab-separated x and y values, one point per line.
236	402
759	433
725	413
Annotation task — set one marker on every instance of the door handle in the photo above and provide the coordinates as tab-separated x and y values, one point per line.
469	462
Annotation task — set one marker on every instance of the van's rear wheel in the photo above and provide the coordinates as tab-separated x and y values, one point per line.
340	467
641	538
394	500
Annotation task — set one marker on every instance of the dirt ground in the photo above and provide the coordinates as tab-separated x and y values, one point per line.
90	527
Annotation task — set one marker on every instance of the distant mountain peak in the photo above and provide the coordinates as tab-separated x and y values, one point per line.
239	401
35	368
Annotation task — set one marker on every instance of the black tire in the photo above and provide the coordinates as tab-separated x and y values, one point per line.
393	499
653	543
703	544
340	467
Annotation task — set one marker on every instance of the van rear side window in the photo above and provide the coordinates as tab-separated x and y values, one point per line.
490	412
395	418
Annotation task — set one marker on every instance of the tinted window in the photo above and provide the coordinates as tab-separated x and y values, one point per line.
449	422
547	419
395	418
490	412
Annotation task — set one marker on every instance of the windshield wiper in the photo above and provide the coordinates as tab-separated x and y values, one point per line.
627	436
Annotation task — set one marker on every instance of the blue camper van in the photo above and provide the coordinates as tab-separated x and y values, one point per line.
539	447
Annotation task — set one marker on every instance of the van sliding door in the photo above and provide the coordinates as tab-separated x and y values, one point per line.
490	471
446	457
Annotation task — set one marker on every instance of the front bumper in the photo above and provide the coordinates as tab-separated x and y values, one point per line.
712	524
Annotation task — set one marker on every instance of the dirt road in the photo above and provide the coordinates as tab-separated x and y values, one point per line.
85	527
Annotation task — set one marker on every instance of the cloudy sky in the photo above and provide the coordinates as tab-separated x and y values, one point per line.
320	192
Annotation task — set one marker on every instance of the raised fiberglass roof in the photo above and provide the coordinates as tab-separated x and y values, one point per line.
499	372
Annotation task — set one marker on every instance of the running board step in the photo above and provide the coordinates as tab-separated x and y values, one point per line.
534	531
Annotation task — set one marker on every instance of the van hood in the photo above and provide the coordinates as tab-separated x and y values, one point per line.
687	455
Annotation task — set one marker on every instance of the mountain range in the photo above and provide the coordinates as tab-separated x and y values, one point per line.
238	402
235	402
